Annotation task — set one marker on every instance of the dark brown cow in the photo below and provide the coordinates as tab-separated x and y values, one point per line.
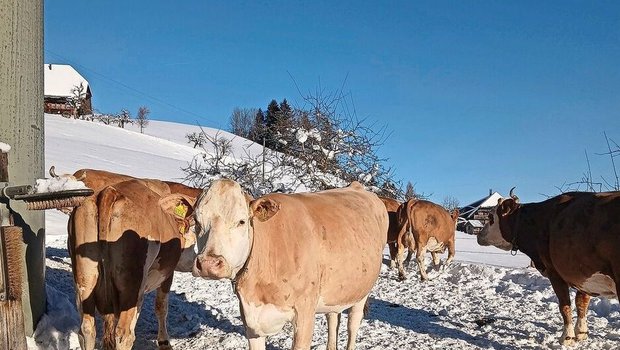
432	229
126	240
573	239
391	205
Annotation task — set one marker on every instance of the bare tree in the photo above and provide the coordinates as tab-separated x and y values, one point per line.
317	146
123	118
588	181
78	95
450	203
142	117
241	121
197	138
106	119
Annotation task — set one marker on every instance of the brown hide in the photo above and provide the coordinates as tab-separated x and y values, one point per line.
427	222
391	205
320	252
574	239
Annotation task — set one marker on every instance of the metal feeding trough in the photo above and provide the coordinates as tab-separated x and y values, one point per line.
45	200
54	200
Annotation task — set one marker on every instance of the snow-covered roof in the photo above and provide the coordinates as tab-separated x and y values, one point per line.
486	202
475	223
59	79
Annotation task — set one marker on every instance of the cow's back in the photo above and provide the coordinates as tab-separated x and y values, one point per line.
329	243
430	220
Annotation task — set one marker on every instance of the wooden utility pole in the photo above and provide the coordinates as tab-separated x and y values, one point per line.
21	127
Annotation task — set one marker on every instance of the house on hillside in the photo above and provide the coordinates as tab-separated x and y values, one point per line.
62	84
475	215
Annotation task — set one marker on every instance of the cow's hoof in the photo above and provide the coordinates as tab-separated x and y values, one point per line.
567	341
164	345
581	336
401	278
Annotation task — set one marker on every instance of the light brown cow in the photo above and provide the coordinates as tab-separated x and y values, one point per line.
293	255
432	229
573	239
124	241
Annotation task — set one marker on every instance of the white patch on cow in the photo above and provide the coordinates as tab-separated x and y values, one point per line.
434	246
599	284
265	320
491	235
322	308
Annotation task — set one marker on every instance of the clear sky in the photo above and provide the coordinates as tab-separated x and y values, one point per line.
476	94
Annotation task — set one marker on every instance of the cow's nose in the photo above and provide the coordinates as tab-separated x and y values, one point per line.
214	263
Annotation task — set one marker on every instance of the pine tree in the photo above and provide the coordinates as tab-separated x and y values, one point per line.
410	192
257	131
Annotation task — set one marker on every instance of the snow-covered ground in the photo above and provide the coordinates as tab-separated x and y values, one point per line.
487	299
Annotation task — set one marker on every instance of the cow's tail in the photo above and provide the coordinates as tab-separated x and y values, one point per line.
105	206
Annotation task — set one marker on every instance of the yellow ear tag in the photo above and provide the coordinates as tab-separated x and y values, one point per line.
180	210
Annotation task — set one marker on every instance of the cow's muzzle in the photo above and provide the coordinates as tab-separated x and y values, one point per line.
211	267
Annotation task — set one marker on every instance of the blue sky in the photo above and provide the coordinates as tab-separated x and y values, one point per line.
476	94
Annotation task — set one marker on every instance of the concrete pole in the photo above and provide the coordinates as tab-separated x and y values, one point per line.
21	126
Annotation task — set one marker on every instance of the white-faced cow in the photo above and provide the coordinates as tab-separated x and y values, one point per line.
573	239
432	229
126	240
293	255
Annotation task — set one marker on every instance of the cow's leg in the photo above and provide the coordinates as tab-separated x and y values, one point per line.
410	243
84	252
303	325
161	310
257	343
333	322
436	258
582	301
109	331
451	252
88	331
125	328
420	255
356	313
561	290
393	254
399	261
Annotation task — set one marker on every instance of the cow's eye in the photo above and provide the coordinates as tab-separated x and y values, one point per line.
241	223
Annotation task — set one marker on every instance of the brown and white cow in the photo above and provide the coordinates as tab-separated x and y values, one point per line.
292	256
432	229
573	239
126	240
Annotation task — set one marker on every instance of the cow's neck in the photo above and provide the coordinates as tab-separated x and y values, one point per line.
529	231
242	273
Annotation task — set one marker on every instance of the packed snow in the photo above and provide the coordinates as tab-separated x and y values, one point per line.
486	299
4	147
57	184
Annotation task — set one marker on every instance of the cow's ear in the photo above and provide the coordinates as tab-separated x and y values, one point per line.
264	208
507	206
181	207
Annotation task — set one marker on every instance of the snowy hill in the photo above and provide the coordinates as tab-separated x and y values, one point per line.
517	305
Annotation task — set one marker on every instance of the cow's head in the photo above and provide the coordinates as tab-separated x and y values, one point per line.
224	234
181	208
496	232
